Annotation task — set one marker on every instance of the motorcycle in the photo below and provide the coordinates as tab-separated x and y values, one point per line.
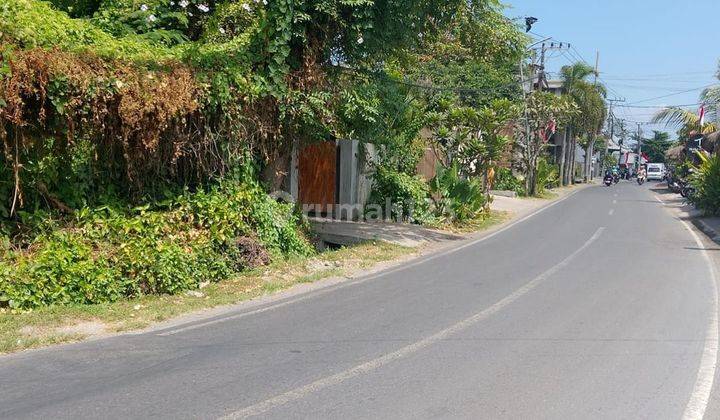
609	180
640	180
688	191
674	183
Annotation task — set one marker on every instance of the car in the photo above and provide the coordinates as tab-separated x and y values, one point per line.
655	171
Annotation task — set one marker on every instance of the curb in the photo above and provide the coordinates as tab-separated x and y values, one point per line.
708	230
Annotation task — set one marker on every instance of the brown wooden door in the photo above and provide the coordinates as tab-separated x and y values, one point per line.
317	174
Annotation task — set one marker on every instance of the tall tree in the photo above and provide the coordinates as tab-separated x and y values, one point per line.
687	120
542	111
656	146
587	122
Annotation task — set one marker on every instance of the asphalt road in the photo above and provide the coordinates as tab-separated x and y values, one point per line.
601	306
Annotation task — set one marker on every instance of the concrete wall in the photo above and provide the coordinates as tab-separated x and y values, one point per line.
356	171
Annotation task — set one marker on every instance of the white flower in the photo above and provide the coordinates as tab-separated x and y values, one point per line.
246	7
360	40
265	2
183	3
172	3
222	30
152	18
203	8
144	7
189	13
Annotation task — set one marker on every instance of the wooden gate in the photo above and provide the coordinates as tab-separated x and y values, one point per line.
317	176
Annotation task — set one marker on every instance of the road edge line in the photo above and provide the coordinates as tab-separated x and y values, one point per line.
702	389
700	397
374	364
193	325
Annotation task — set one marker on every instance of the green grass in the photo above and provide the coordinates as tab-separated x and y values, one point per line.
62	324
547	195
481	223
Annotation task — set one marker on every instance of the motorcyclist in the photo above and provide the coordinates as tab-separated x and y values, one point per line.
642	173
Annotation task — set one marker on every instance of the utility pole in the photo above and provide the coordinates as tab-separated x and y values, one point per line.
639	139
597	63
611	122
544	48
623	134
590	150
541	78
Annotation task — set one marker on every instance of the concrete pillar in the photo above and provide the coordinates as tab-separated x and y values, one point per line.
348	180
294	173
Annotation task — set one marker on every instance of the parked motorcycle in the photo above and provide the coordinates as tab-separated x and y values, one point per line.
674	183
688	191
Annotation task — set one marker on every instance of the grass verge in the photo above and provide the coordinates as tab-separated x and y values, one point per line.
477	225
63	324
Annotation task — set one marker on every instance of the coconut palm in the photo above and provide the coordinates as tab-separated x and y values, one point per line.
687	121
590	99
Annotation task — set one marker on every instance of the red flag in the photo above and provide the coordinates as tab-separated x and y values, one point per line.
549	130
646	157
702	115
552	126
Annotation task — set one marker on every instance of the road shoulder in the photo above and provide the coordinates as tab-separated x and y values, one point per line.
280	283
708	233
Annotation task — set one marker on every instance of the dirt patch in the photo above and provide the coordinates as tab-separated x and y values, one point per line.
315	265
87	329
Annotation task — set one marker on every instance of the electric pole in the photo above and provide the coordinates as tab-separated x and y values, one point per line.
639	139
590	152
544	48
611	123
541	78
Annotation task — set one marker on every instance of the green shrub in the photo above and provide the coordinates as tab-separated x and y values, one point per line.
547	176
107	254
32	23
456	199
403	196
64	270
706	181
77	8
506	181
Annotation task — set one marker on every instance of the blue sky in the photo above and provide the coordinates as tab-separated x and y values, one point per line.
647	48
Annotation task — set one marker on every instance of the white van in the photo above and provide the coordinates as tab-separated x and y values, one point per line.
655	171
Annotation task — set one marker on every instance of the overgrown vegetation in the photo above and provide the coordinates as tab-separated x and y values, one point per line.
706	181
106	254
506	181
138	139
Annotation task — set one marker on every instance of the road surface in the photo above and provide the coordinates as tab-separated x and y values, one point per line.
601	306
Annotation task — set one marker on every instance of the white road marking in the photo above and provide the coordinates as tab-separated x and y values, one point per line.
360	280
301	392
700	397
611	212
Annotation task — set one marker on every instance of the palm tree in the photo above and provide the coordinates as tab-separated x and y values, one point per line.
687	121
590	99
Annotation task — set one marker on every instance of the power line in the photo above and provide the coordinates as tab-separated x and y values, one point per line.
671	94
466	90
714	72
666	106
